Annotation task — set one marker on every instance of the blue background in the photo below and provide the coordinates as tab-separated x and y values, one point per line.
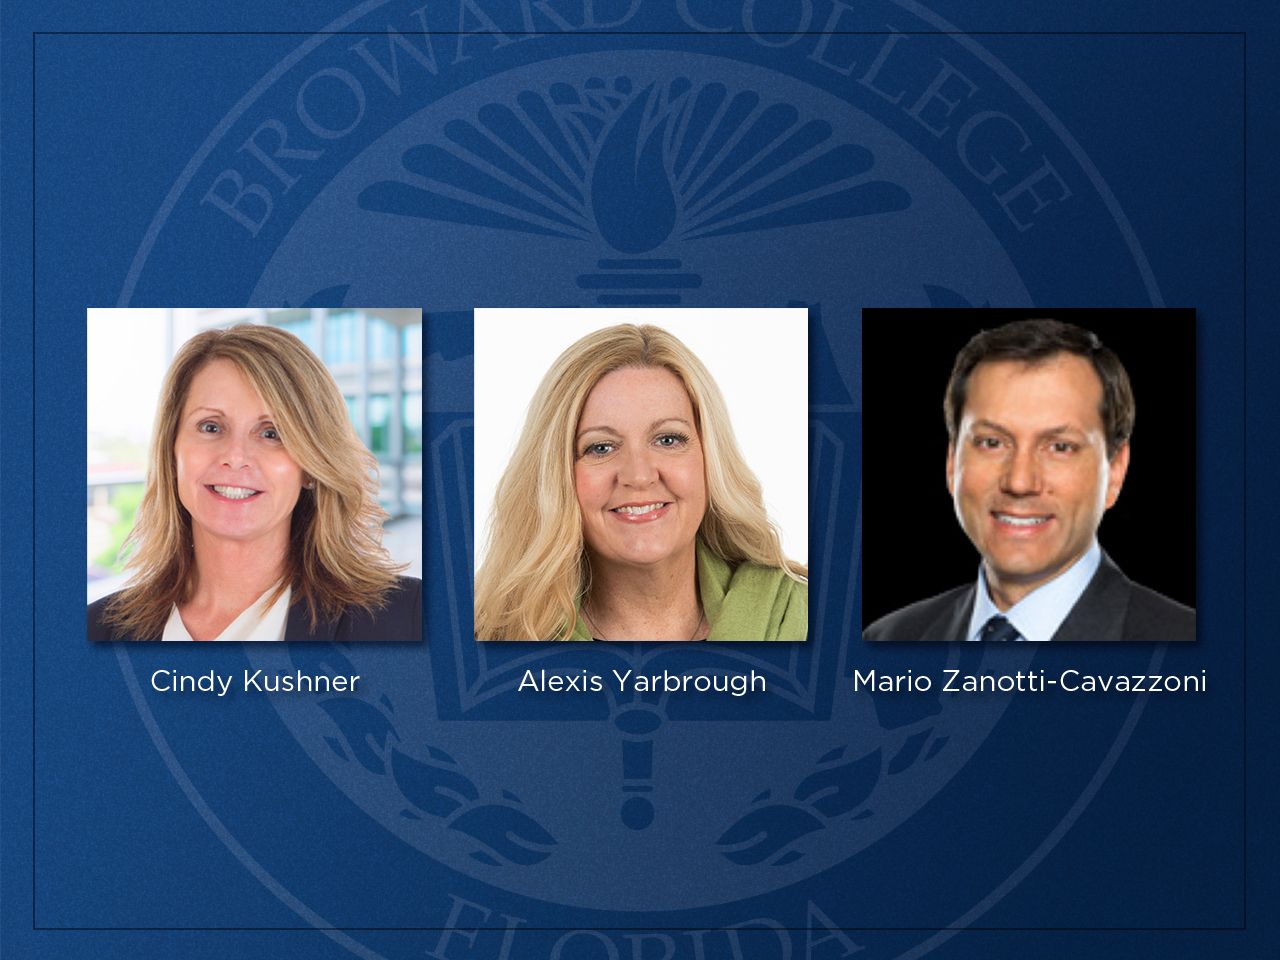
136	825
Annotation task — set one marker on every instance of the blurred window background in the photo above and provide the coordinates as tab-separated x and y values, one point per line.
375	355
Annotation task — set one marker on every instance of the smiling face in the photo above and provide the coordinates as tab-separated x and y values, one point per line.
234	476
638	468
1029	472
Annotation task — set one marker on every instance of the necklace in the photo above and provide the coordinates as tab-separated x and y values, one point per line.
702	618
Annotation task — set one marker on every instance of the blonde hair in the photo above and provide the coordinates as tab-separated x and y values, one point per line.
335	558
536	566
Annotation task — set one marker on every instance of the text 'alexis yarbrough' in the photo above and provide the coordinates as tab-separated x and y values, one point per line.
735	684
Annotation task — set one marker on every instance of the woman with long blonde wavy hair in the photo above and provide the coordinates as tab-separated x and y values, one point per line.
260	518
628	513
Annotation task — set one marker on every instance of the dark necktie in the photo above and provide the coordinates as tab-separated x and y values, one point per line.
998	628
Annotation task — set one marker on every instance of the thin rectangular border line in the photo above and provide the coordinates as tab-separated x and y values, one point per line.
1244	99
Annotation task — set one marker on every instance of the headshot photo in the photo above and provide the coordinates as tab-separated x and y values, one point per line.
641	474
277	494
1041	469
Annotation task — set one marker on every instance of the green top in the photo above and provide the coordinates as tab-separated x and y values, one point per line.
746	602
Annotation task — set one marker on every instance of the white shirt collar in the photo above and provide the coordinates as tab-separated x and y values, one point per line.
257	622
1039	614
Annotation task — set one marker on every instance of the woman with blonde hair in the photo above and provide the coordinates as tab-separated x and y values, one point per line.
260	519
628	513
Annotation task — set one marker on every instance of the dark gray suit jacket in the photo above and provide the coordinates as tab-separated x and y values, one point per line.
1112	607
400	619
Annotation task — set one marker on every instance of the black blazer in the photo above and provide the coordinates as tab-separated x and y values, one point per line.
400	619
1112	607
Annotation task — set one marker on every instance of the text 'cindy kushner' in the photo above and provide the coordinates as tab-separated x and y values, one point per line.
253	681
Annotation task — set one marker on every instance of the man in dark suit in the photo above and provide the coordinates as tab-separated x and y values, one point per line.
1039	415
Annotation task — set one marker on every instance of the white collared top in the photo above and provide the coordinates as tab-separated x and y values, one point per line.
258	621
1039	614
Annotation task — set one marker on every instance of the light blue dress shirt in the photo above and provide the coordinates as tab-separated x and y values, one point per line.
1039	614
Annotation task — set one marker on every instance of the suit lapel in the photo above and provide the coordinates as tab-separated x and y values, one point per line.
298	625
953	623
1100	612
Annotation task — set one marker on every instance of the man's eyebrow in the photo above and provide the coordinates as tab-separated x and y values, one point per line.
1047	432
653	426
990	425
1060	429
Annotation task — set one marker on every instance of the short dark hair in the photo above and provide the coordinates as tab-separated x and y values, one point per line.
1034	341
